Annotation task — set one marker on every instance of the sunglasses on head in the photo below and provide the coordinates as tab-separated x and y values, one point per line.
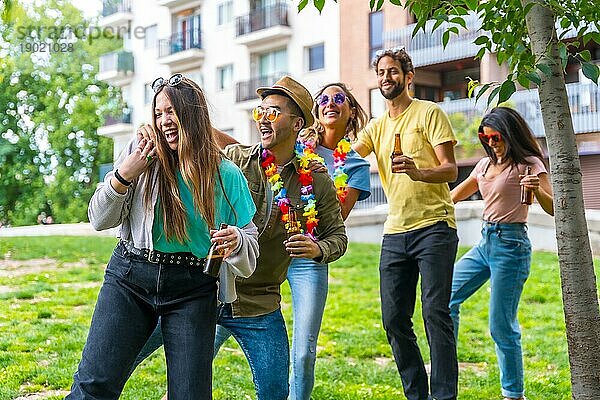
159	83
270	113
339	98
495	137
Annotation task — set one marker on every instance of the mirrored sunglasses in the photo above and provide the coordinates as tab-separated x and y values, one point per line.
271	114
496	137
172	81
339	98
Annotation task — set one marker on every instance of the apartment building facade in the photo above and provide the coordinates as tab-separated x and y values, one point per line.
229	47
440	75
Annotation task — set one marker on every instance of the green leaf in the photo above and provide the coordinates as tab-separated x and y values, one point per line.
396	2
480	53
493	95
563	54
591	71
437	24
319	4
459	21
506	90
445	38
523	81
472	4
534	77
483	89
471	86
372	4
565	23
586	55
302	4
379	4
545	68
453	29
481	40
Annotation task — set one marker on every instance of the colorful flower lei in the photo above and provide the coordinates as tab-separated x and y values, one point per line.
340	178
304	153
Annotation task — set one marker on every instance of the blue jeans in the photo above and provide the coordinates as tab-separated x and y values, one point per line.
430	253
135	293
308	283
264	341
503	256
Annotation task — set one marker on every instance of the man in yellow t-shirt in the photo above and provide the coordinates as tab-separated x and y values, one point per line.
420	230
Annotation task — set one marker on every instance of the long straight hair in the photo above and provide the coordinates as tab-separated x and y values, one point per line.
197	158
518	139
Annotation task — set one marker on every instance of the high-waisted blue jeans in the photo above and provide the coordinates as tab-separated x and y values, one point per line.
135	293
308	284
503	256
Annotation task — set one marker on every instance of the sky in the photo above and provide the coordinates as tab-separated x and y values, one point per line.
90	8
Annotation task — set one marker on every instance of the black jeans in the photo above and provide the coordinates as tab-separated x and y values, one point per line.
134	295
429	252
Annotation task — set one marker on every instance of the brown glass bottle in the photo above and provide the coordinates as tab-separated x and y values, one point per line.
397	148
526	194
214	258
292	227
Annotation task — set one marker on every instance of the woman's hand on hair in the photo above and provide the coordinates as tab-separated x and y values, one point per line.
137	162
227	239
145	131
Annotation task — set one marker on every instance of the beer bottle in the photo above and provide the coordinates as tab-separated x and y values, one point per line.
397	148
292	227
526	194
214	258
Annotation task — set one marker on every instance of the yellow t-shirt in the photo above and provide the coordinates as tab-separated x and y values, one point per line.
413	205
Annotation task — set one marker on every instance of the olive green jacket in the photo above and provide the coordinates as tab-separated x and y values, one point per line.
259	294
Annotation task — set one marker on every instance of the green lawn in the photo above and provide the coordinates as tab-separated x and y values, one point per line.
48	287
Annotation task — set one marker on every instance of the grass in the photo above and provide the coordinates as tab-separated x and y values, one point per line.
48	292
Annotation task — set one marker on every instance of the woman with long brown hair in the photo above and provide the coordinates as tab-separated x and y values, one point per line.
514	165
167	192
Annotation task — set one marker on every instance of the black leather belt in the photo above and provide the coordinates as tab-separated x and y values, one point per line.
158	257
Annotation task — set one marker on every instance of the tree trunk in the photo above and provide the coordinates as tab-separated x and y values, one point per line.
580	298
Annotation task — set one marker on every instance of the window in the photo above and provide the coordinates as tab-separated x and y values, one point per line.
151	36
316	57
225	77
377	103
375	33
224	12
273	63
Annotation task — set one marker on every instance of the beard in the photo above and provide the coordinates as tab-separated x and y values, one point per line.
392	92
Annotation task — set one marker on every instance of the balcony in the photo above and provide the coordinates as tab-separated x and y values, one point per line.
116	68
179	5
182	51
118	125
266	27
426	47
116	14
246	90
584	102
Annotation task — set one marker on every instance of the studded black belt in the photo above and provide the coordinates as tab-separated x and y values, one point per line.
159	257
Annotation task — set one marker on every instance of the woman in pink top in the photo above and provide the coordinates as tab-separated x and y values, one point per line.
504	253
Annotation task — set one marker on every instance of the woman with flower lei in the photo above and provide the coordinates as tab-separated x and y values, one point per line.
339	119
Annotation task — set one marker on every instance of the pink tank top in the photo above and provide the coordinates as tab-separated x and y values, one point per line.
502	194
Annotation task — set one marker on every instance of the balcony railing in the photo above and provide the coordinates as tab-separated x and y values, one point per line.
262	18
180	41
584	103
425	48
246	90
118	61
110	7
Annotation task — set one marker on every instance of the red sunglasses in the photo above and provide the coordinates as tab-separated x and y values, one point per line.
496	137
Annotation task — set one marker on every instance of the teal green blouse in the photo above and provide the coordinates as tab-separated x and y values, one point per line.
198	243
